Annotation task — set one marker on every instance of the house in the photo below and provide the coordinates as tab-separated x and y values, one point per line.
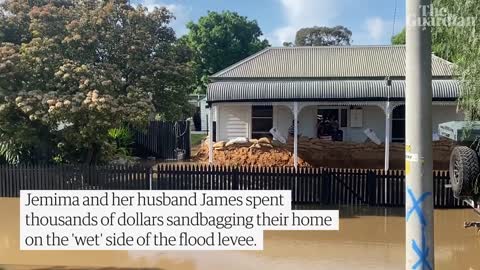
352	88
204	114
199	102
199	120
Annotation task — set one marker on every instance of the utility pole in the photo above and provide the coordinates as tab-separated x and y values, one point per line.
418	152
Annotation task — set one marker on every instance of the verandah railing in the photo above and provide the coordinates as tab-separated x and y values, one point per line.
328	186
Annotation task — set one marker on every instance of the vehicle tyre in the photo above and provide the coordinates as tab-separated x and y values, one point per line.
464	169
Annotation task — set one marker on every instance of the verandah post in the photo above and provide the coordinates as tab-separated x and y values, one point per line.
388	134
210	136
295	135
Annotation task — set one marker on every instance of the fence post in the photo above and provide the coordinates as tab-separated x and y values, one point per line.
160	175
371	187
326	187
235	182
150	175
187	142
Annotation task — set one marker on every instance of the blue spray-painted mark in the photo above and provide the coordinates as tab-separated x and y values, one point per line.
421	250
417	206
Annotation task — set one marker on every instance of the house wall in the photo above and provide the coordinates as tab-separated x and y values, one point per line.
374	118
235	121
308	122
282	119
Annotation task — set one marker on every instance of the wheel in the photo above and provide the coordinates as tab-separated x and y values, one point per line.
464	169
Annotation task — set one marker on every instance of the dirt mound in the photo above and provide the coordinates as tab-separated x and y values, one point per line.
249	154
319	153
364	155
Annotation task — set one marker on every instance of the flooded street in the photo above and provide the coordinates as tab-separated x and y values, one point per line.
368	239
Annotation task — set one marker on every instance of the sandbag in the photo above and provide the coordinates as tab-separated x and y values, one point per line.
264	140
239	140
266	145
219	144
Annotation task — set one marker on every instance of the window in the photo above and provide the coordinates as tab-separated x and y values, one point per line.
329	122
262	121
398	124
334	115
328	114
343	118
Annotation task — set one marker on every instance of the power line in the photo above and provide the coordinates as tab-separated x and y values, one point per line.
394	18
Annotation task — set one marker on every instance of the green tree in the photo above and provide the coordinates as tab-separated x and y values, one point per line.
219	40
459	44
80	68
441	45
399	39
323	36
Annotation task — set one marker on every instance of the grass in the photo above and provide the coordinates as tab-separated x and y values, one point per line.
196	139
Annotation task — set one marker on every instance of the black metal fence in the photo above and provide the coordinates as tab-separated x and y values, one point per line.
308	185
163	140
66	177
329	186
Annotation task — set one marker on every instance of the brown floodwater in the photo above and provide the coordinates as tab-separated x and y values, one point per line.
369	238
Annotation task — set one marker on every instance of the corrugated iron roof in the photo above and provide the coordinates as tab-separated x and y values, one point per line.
328	62
321	90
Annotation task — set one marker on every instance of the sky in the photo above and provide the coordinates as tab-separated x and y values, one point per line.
371	21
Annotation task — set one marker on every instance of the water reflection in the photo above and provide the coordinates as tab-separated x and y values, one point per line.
369	238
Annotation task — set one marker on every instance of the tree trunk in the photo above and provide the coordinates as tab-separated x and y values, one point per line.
92	155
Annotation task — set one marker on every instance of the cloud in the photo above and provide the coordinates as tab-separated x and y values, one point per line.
283	34
181	13
377	28
303	13
374	31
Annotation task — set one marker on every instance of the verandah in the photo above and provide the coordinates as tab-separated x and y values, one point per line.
295	107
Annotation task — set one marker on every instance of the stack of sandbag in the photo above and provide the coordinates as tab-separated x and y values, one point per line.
243	142
317	153
262	142
253	152
320	153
